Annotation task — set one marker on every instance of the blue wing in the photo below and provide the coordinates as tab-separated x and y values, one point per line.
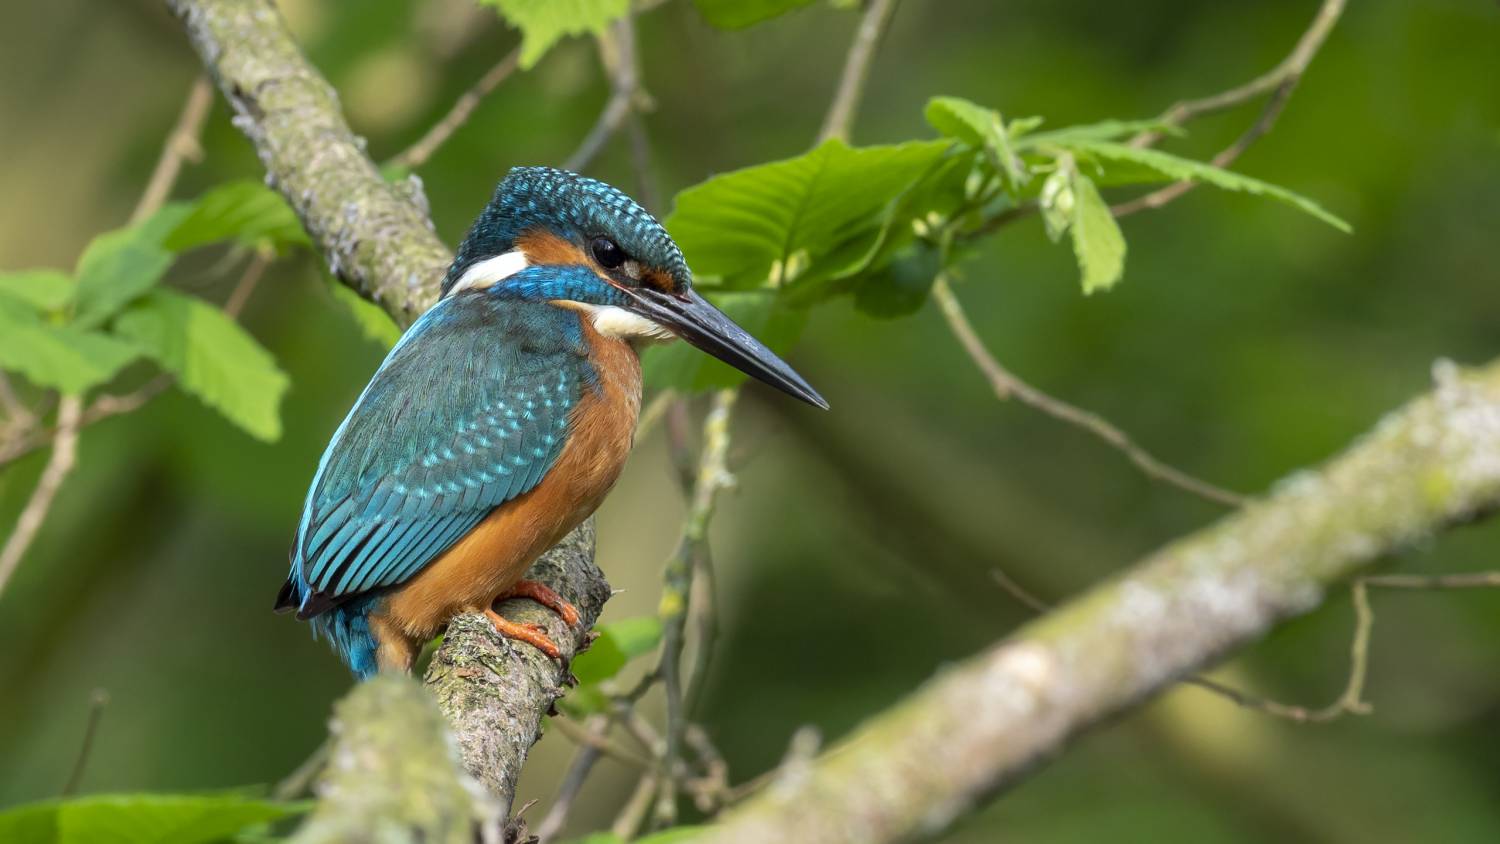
468	411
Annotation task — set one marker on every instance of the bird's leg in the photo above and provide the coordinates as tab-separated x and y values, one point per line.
531	634
543	594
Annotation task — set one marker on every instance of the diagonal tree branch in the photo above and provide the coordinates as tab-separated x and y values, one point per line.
378	239
375	236
978	726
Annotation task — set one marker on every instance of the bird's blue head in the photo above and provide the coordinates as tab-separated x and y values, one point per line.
551	235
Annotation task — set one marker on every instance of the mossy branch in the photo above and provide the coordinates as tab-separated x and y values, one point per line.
985	722
378	239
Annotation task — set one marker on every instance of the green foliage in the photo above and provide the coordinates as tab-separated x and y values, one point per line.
616	645
1097	240
545	22
212	357
43	290
374	323
246	212
777	223
139	819
63	357
1175	168
75	333
116	267
738	14
983	129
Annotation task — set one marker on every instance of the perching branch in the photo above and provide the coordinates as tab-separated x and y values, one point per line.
978	726
377	238
392	775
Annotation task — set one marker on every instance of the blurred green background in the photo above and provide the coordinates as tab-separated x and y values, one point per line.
1245	341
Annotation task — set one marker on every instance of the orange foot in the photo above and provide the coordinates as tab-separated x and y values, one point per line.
543	594
532	634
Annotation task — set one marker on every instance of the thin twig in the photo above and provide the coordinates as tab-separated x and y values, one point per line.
300	780
182	145
587	736
1290	69
712	476
572	782
64	457
1350	701
463	108
618	54
246	285
1225	157
846	98
634	811
1019	592
1466	580
98	700
17	416
1006	385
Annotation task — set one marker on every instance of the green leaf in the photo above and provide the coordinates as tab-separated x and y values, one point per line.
545	22
616	646
212	357
245	211
979	127
115	268
681	367
45	290
372	319
770	223
901	288
1176	168
1104	130
1097	240
738	14
675	835
59	356
139	819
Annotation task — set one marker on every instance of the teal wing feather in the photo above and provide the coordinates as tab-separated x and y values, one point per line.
467	412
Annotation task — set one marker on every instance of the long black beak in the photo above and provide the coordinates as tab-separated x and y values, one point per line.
691	317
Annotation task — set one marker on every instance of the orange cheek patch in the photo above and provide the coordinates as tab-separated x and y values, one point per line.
659	280
544	247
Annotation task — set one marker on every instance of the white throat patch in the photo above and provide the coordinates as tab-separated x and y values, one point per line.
620	324
491	270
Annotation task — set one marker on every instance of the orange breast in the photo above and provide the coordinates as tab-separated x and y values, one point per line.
489	560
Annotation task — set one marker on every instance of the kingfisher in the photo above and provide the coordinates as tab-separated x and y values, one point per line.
499	420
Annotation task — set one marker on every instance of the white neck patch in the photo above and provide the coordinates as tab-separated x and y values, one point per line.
491	270
620	324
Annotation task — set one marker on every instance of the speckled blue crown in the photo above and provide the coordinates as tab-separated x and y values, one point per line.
574	207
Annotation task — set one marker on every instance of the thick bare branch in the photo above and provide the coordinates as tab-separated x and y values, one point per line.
976	727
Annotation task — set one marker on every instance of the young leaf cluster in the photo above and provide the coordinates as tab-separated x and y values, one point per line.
76	331
881	223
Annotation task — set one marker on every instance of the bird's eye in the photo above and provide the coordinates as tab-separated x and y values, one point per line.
607	253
